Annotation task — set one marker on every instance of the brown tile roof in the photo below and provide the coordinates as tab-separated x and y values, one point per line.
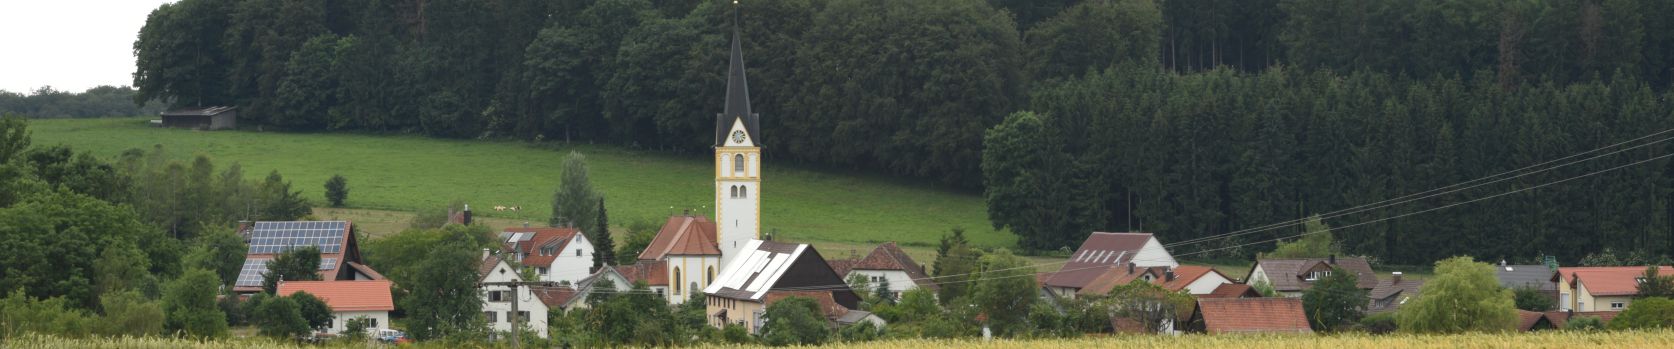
888	256
841	266
1183	276
683	235
1392	293
363	269
368	295
1232	291
1608	281
1245	315
487	266
1099	252
653	273
828	304
1041	277
1287	274
1526	320
558	238
554	297
1559	318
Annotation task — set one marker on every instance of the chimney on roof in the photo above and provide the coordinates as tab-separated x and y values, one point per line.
1332	259
686	212
1502	262
1168	275
466	220
1395	278
1130	267
525	224
485	253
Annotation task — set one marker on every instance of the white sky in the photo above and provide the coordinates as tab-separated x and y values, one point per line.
71	45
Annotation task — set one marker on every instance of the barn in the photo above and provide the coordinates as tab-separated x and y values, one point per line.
205	118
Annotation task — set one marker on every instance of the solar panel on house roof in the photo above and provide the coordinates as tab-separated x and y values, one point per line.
277	237
328	263
251	274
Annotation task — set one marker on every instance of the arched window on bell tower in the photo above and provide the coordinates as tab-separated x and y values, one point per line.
743	191
735	192
738	163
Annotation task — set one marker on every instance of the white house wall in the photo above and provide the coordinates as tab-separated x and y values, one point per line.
1207	284
1154	255
898	280
569	266
527	302
340	320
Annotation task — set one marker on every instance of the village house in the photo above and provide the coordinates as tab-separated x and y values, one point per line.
886	265
1392	293
563	298
685	253
339	251
653	274
555	254
1250	315
1196	280
1107	253
368	299
1290	277
497	298
765	272
1538	277
1585	289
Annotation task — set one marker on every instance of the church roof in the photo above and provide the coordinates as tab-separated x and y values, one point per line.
683	235
738	97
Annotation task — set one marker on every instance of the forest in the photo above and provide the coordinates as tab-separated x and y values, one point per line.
102	101
1189	118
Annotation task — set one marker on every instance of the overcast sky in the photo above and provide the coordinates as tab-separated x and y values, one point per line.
70	44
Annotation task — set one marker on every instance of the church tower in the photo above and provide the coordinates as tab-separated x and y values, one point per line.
737	162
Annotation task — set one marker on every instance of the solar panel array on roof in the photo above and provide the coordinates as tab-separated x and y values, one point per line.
251	274
277	237
328	263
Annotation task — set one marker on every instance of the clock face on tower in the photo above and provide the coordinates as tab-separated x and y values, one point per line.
738	136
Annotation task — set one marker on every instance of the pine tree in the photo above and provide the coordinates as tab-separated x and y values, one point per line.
604	246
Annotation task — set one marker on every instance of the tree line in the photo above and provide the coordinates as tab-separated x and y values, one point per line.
97	102
900	87
1194	155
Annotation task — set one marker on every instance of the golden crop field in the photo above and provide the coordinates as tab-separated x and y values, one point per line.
1547	339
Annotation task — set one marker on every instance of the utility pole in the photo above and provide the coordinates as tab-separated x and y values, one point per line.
516	297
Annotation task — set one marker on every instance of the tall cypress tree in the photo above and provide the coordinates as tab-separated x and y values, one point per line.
605	247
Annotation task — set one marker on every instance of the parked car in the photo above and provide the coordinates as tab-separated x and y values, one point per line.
392	336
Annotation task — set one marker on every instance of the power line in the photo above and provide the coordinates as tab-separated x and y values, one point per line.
1439	207
1432	192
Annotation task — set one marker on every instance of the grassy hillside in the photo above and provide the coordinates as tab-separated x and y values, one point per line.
1543	339
406	173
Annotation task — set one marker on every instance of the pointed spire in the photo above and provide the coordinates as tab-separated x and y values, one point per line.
738	91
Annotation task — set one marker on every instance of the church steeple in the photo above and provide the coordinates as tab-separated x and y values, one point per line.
738	95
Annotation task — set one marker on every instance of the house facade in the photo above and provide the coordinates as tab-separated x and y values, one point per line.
740	294
1291	277
560	255
1587	289
497	298
1105	253
886	265
1390	294
367	299
339	251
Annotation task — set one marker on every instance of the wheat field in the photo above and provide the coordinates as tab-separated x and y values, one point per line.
1547	339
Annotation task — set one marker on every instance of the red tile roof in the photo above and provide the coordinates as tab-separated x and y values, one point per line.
1244	315
1608	281
370	295
554	296
683	235
558	238
1232	291
653	273
1099	252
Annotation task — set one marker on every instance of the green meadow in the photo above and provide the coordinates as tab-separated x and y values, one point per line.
407	173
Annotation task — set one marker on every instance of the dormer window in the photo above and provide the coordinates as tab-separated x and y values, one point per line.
1318	274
